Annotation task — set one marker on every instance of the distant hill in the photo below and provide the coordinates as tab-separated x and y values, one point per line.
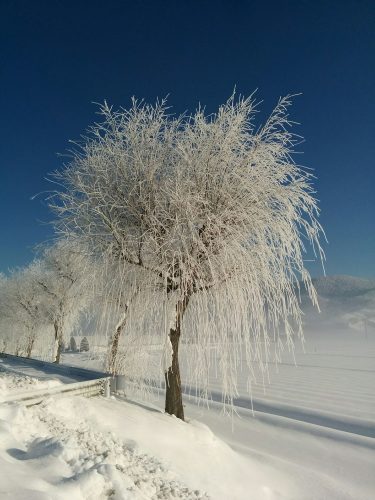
342	286
345	302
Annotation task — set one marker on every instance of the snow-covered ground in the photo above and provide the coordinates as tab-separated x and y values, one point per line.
87	449
310	436
315	422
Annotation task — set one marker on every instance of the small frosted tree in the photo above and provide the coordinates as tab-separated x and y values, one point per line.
214	211
73	344
84	346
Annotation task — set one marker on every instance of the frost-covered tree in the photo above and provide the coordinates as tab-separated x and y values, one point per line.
22	309
73	344
6	318
84	346
116	288
65	281
214	211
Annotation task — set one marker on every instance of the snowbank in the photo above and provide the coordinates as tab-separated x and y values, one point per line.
17	383
94	449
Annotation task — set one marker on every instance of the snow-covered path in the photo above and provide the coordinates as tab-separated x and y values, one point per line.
15	382
42	371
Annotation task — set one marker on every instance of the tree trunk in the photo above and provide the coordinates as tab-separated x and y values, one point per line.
111	365
58	352
58	342
30	345
173	393
112	356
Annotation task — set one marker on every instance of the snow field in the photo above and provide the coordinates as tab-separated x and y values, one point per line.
310	436
324	381
314	423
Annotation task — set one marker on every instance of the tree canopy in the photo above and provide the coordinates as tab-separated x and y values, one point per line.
215	214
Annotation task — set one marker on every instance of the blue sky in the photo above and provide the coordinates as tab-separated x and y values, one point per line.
58	57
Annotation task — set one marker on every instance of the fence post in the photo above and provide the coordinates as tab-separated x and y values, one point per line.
107	389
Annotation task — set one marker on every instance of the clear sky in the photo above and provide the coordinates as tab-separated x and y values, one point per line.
57	57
